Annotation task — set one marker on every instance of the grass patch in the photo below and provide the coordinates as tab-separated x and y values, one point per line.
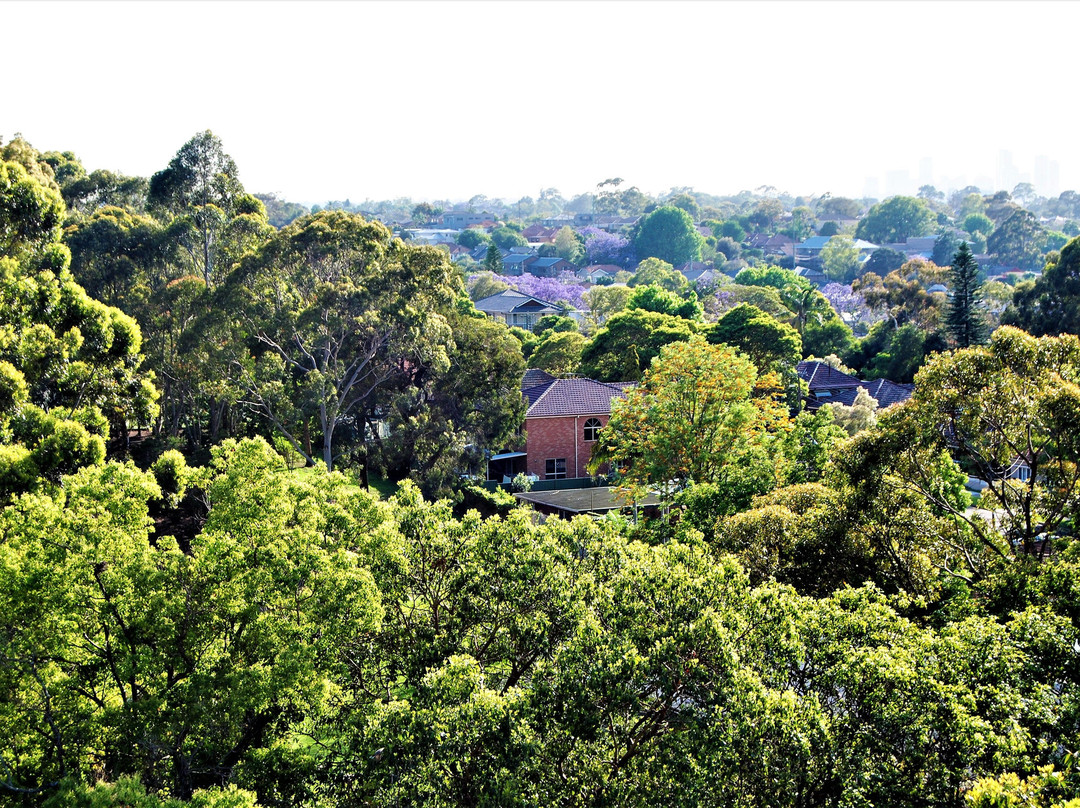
386	488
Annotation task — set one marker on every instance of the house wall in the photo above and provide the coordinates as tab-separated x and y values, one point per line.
559	437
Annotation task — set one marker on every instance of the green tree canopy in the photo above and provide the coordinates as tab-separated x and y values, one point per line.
772	346
624	347
656	272
335	308
1018	241
693	418
212	216
884	260
1051	303
978	223
840	259
658	299
505	238
473	237
1014	400
442	420
31	213
605	301
668	233
559	353
69	364
895	220
127	655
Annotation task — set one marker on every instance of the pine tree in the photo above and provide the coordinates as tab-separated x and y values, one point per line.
965	322
493	260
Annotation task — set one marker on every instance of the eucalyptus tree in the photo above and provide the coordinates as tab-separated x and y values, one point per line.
331	310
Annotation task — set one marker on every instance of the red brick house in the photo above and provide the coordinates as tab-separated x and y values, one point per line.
562	424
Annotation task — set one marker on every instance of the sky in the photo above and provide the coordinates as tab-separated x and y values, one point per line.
443	99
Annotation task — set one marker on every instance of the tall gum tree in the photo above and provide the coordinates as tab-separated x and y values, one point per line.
334	308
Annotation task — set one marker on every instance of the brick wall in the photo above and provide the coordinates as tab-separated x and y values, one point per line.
555	437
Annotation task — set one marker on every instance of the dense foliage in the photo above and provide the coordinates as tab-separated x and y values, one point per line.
202	603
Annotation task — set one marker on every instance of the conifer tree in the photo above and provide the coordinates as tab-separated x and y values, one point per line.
493	260
964	321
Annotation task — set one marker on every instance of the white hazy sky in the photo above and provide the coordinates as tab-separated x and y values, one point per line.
447	99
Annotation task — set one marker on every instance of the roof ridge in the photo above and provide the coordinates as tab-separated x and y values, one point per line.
540	397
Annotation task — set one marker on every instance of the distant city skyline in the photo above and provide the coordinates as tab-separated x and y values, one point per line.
325	101
1043	176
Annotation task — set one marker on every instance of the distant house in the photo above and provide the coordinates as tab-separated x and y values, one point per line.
461	219
479	253
757	241
827	385
562	424
516	263
812	274
598	273
457	252
434	235
808	253
916	246
516	309
540	234
697	271
549	267
779	245
601	220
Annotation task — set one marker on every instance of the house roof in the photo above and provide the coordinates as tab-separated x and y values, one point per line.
480	253
520	258
583	500
830	386
810	273
888	393
509	300
819	376
571	397
817	242
610	269
546	262
534	377
534	231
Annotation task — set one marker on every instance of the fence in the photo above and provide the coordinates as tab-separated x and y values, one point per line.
553	485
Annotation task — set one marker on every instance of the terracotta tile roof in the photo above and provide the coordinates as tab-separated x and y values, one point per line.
571	397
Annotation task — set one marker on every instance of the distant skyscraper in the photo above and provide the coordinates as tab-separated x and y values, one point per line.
1046	180
897	183
1007	175
926	171
870	188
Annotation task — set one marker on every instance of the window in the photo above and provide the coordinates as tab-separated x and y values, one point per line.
592	429
556	469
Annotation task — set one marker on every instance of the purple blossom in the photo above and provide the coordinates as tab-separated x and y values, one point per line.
602	247
843	299
561	289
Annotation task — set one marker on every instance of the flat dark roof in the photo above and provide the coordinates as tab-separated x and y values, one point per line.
583	500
